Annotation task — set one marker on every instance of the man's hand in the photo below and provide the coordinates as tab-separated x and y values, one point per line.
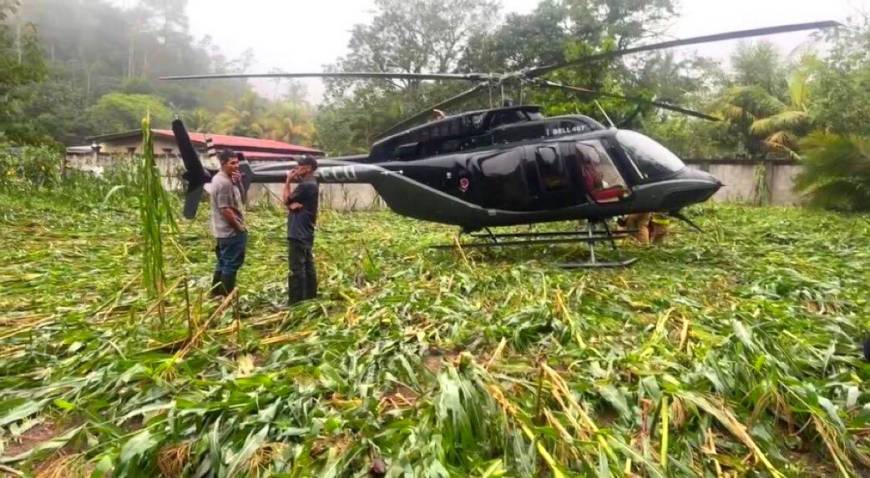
235	221
237	177
292	174
294	207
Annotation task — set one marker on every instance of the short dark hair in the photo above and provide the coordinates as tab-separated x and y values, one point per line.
307	161
225	155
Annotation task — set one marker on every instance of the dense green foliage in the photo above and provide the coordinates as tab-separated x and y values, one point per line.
836	171
29	167
741	343
124	112
21	65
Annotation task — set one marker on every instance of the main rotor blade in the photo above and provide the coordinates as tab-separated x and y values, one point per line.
686	42
428	112
633	99
361	74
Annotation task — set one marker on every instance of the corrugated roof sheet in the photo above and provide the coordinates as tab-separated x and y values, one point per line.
242	143
236	143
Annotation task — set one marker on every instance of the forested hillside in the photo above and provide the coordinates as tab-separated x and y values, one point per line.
92	67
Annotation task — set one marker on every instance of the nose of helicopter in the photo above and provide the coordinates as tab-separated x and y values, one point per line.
695	186
702	176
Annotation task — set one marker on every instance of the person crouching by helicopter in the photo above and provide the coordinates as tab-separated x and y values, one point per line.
301	204
228	224
648	227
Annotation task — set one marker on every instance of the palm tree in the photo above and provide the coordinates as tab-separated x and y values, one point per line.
243	117
783	130
742	107
765	122
289	122
200	119
836	171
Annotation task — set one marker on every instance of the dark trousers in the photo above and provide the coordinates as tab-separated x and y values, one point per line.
302	280
230	252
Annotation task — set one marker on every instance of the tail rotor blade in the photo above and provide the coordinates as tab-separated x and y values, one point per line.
247	175
191	201
195	173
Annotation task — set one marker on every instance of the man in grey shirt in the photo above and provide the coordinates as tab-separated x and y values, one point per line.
228	224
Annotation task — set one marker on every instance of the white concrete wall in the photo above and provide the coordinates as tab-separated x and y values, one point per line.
344	197
742	181
782	185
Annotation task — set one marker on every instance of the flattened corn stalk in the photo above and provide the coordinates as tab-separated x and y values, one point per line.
749	337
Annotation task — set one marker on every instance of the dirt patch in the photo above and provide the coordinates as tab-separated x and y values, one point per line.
133	424
400	397
435	358
433	363
40	433
339	442
812	463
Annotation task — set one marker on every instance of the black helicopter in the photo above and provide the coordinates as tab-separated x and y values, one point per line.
511	165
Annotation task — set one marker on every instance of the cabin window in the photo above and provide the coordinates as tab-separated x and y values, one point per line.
507	117
599	175
551	168
503	184
407	151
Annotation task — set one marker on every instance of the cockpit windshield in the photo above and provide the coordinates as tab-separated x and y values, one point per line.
653	160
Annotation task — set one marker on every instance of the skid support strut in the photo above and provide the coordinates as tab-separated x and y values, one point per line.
590	236
593	262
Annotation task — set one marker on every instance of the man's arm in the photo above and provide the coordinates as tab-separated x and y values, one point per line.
230	215
302	192
285	194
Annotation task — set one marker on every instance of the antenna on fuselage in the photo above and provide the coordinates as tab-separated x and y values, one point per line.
605	114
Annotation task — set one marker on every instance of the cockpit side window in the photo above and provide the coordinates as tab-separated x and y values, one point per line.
599	175
652	160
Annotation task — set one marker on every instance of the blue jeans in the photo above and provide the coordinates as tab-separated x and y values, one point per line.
230	252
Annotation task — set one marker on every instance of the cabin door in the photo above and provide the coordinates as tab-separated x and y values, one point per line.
551	178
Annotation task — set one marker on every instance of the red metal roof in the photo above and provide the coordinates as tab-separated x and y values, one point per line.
242	143
260	156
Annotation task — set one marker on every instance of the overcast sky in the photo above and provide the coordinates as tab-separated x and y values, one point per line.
303	35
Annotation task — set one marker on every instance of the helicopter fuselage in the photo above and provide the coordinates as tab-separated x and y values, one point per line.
592	175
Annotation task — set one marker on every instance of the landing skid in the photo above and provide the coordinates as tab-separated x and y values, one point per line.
590	236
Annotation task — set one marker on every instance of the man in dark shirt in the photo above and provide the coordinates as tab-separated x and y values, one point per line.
301	205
